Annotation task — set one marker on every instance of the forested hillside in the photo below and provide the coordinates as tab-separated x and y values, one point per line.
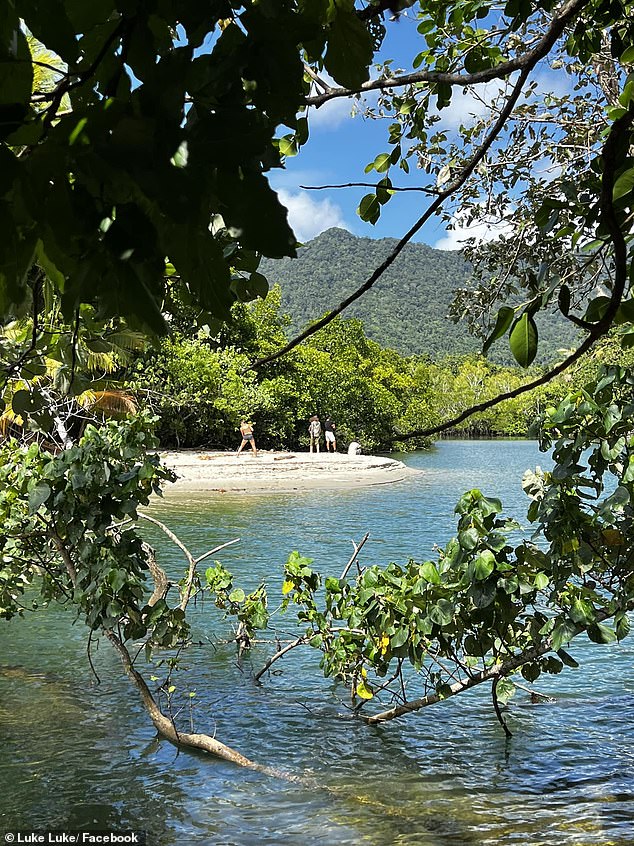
406	309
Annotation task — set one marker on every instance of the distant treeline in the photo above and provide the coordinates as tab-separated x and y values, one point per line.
202	386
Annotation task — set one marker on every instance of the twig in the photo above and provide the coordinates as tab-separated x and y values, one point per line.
92	666
281	652
502	71
368	185
191	571
216	549
496	705
504	668
533	693
608	217
357	549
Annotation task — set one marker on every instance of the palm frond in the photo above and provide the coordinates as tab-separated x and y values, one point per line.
127	339
100	361
111	403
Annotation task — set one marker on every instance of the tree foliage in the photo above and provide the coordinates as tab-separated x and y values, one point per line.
201	387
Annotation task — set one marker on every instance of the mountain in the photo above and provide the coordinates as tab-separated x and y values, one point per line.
407	307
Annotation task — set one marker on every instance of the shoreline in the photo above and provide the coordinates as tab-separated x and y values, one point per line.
278	472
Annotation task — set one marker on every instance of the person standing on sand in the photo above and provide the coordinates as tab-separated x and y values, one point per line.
246	430
314	432
329	431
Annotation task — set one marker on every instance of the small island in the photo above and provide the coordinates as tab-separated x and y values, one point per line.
279	472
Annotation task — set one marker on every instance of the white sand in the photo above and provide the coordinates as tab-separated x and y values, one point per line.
279	471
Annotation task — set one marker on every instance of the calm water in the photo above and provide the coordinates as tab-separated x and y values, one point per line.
74	754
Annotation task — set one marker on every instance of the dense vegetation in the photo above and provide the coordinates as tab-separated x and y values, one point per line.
202	386
408	309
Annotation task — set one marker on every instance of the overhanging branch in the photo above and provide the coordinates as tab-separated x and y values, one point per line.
463	80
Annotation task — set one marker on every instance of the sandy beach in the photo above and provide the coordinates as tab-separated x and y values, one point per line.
279	471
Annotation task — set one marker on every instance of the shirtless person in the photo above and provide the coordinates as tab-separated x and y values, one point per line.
246	430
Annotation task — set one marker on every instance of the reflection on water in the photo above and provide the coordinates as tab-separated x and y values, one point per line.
81	755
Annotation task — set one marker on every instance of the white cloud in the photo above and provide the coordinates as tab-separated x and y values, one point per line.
487	229
338	110
469	104
309	217
331	115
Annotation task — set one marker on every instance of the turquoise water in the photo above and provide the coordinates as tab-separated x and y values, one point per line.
74	754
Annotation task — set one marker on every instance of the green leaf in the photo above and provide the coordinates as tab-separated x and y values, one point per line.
552	665
484	565
596	309
504	690
502	323
8	169
26	402
363	691
48	21
623	627
490	505
16	73
38	496
531	672
399	638
563	632
523	340
382	162
568	660
442	613
84	16
429	573
250	205
627	56
369	208
541	581
468	539
564	299
599	633
623	184
198	258
256	285
288	146
625	312
582	612
237	595
350	49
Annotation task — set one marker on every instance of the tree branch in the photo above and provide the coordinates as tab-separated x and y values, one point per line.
279	654
191	561
66	85
501	71
368	185
357	550
496	706
526	63
495	671
165	726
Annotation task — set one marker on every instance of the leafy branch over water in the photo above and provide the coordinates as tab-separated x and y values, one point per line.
487	608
